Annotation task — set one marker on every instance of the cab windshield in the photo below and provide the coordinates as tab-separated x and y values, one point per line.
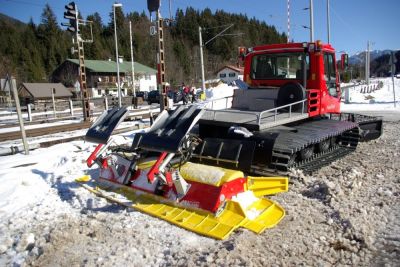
279	66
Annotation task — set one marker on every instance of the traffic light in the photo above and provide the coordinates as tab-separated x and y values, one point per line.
71	14
153	5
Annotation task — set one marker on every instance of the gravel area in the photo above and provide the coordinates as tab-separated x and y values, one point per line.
347	213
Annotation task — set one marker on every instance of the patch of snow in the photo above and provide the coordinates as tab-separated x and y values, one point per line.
381	99
246	199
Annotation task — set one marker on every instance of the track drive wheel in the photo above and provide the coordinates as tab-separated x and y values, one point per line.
324	145
292	160
307	152
333	140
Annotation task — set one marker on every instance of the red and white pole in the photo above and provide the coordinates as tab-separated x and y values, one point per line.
288	21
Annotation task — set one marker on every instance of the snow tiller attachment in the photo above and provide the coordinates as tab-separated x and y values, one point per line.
155	176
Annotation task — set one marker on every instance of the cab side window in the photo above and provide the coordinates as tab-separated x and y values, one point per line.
330	74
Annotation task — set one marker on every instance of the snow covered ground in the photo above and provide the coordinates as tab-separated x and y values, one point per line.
345	214
379	100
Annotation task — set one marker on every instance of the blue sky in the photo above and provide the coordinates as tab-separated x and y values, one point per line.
353	22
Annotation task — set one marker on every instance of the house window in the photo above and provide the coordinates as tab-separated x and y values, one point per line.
147	77
99	92
106	79
232	74
222	75
107	92
113	79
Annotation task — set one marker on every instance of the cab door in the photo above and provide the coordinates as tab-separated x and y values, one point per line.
331	97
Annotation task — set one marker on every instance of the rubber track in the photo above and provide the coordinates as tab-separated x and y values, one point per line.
323	159
312	133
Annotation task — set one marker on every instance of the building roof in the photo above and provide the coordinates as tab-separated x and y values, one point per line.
234	68
106	66
43	90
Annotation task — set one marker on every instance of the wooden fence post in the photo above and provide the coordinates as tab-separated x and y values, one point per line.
71	107
105	103
29	107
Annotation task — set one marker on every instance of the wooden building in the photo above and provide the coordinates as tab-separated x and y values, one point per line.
102	76
31	93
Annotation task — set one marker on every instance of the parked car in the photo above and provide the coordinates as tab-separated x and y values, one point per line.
175	96
142	94
153	97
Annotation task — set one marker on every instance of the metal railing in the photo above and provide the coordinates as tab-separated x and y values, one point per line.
275	110
259	115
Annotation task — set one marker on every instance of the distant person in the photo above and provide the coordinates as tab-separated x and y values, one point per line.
193	93
185	92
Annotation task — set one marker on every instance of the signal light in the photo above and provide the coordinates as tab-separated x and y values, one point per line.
153	5
242	51
318	45
71	14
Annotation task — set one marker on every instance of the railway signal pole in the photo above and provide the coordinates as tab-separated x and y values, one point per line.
72	15
154	6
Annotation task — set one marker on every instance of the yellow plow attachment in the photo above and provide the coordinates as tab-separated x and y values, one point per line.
260	215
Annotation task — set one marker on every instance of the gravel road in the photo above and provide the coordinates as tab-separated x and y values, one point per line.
347	213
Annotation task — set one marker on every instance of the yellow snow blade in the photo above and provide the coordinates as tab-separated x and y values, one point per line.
269	214
195	220
262	186
84	178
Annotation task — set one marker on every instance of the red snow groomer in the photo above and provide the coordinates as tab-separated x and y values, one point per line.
155	176
286	116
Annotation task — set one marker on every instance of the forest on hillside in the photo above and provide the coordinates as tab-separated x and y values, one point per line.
31	52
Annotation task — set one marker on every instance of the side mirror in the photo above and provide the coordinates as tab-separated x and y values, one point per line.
344	61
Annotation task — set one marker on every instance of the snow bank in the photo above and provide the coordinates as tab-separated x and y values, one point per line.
381	99
219	97
28	180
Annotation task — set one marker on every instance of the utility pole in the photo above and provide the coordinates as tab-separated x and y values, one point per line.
367	60
288	21
328	21
203	83
393	70
201	50
132	65
116	55
311	22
